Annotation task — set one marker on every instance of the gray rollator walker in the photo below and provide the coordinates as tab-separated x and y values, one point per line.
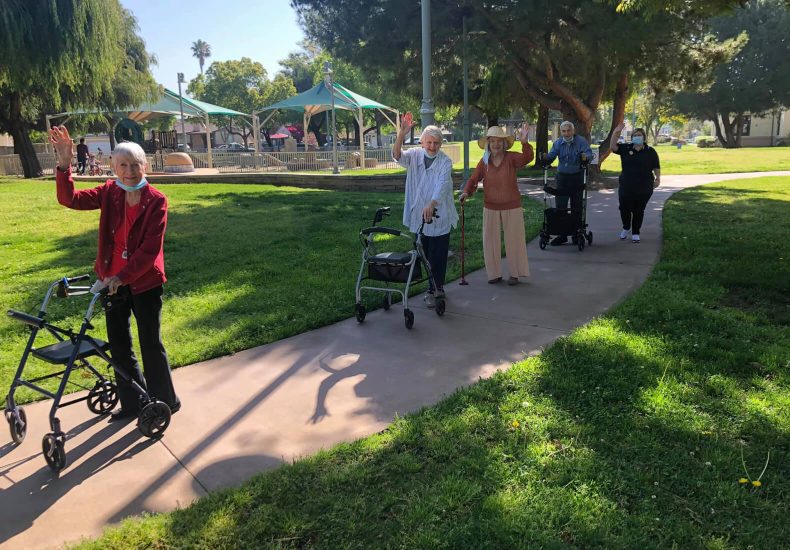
72	349
564	221
393	267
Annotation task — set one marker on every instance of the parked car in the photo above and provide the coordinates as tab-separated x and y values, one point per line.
235	147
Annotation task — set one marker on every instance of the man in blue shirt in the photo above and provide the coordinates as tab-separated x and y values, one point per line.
570	181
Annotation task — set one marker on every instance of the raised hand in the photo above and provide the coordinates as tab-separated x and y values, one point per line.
64	147
618	129
406	122
523	135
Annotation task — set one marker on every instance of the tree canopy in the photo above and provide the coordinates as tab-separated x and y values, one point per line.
757	79
89	55
567	55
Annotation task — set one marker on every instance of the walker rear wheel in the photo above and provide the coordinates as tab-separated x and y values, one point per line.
154	419
440	306
18	427
589	237
386	304
103	397
359	311
54	449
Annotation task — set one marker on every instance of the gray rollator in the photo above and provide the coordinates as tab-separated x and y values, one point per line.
404	268
72	349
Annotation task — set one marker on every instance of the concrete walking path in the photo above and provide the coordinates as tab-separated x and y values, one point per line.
253	410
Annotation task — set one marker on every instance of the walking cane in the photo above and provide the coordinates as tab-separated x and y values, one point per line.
463	279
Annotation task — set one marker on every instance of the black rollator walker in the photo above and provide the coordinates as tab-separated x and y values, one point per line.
393	267
73	350
564	221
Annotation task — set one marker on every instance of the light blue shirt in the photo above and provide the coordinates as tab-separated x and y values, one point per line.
424	185
569	154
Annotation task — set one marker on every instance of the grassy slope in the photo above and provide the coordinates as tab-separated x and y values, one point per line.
630	431
247	264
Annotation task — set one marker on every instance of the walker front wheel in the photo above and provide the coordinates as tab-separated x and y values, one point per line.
408	318
103	397
18	426
54	449
440	306
154	419
359	311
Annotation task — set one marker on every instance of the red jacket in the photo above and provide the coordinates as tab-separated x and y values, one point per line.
145	268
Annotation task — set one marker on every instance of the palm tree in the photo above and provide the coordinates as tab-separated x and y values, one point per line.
201	50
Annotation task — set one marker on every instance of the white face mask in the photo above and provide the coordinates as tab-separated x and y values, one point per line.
430	156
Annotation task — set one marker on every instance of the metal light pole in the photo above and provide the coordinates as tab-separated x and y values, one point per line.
181	105
466	102
426	110
330	85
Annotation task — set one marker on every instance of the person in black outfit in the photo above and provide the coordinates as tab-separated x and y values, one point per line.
82	157
641	173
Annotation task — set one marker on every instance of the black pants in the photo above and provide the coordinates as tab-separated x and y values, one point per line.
81	164
147	309
436	249
632	207
572	187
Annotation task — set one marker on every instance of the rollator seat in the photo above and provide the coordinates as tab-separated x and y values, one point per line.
60	353
391	258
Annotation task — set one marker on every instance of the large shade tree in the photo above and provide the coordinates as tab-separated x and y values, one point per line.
757	79
86	57
566	55
242	85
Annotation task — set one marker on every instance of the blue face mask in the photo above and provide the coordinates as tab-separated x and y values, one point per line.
143	183
638	140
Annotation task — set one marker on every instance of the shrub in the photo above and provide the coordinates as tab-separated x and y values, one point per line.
708	141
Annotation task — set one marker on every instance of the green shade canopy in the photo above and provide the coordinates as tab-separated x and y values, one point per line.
319	99
168	104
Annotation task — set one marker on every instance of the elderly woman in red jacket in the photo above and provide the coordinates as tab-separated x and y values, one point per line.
130	263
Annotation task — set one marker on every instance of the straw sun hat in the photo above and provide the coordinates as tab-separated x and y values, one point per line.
497	132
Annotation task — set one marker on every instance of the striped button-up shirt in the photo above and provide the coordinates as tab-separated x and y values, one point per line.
424	185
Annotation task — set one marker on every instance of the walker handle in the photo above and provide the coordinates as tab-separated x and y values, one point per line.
78	278
26	318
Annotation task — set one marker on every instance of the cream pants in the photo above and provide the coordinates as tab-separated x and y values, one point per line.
512	223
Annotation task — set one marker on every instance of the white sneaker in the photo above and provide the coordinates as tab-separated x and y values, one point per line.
634	238
623	234
430	300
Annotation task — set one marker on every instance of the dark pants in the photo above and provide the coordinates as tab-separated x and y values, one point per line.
81	164
436	249
632	207
572	187
147	309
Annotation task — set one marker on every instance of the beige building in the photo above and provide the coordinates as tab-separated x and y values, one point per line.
766	131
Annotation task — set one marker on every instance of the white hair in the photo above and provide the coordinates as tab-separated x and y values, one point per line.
567	124
433	131
130	151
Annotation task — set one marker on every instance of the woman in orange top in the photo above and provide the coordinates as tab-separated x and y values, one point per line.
502	208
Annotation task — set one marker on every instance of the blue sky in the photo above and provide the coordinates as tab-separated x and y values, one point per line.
263	30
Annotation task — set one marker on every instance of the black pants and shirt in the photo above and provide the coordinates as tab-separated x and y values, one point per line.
636	183
147	310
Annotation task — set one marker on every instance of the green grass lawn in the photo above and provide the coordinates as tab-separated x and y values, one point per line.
247	264
630	432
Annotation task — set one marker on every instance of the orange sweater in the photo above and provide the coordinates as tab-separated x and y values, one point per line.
499	182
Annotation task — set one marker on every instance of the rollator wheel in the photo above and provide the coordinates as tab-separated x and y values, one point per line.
154	419
543	242
440	305
18	427
54	448
103	397
359	311
408	318
589	237
386	304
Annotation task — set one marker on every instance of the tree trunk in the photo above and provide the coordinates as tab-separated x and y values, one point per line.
23	146
728	140
542	132
618	115
738	129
